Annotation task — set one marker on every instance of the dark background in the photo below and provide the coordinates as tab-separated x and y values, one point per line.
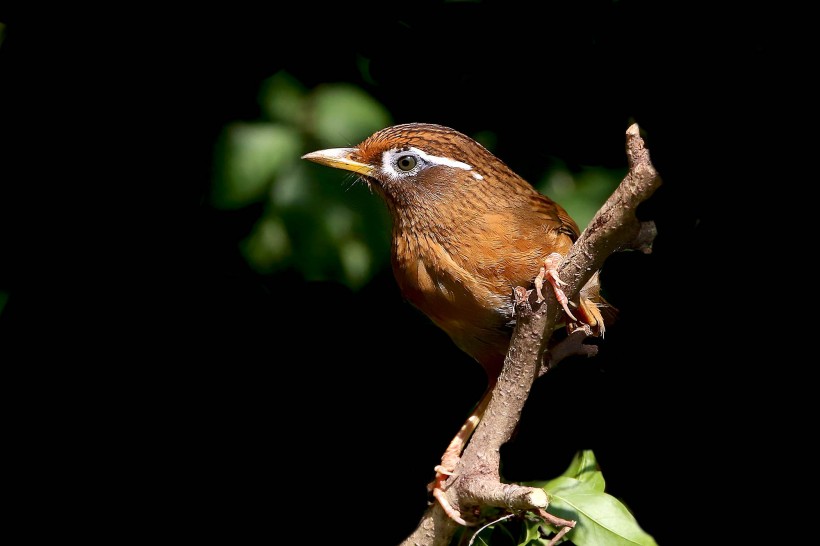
156	371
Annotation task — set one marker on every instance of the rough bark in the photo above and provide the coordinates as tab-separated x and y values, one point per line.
476	482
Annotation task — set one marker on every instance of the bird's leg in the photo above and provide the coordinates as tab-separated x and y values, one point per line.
549	271
453	454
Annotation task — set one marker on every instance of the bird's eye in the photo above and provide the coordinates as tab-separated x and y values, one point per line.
406	163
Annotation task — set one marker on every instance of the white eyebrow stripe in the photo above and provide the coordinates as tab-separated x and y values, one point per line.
445	161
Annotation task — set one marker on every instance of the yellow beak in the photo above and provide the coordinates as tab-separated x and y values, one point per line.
339	158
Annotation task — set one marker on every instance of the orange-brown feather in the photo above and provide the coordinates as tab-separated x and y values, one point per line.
462	242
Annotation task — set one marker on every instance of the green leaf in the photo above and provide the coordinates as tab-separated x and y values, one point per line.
357	262
282	98
581	192
345	115
252	154
268	245
584	468
532	533
602	519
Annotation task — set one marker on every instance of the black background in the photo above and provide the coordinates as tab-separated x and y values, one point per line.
175	385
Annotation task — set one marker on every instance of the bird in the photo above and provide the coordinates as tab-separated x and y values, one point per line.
466	231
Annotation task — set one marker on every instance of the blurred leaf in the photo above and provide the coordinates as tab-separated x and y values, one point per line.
282	98
488	139
4	297
345	115
252	153
357	262
317	220
339	220
293	186
268	244
363	63
354	254
581	193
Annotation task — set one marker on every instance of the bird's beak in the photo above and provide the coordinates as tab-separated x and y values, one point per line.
340	159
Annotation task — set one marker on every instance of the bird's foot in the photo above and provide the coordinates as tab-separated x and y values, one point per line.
437	489
549	271
446	469
452	456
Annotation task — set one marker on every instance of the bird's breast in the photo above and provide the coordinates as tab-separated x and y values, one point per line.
473	309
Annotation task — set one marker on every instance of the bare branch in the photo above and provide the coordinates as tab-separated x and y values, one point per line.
563	525
572	345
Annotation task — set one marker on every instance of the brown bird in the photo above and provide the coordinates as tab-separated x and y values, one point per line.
467	230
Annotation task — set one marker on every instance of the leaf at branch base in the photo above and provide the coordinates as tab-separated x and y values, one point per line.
602	519
578	494
584	468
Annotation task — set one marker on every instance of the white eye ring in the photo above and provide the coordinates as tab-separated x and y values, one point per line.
401	163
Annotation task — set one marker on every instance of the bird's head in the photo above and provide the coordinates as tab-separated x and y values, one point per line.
419	165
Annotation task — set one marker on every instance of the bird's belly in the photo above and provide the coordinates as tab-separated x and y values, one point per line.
474	315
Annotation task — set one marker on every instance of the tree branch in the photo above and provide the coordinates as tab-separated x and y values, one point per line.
476	482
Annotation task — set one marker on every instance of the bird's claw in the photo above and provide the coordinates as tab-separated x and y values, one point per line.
549	271
437	488
521	294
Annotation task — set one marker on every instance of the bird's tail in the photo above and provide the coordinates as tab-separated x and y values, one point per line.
595	311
